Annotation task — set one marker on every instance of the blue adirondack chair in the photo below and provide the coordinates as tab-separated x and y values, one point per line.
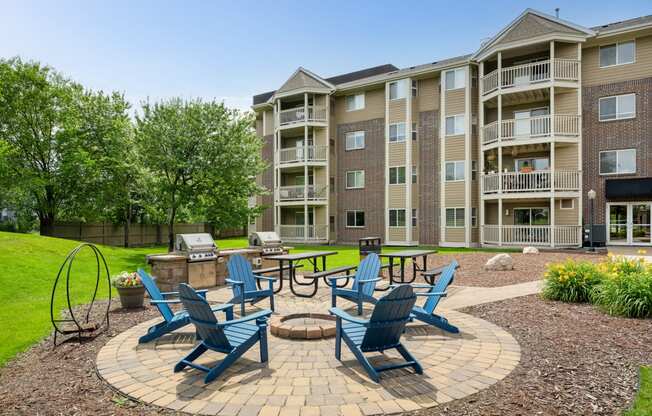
243	282
437	291
382	331
233	337
363	286
162	301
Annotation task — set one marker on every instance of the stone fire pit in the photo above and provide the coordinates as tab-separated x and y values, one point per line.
303	326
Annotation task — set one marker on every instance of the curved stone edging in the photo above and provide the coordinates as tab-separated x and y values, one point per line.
279	326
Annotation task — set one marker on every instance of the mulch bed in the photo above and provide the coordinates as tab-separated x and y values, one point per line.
527	267
62	380
575	361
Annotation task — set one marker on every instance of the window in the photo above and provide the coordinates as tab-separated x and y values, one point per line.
331	223
414	217
415	132
354	219
474	217
618	161
474	170
355	179
566	203
397	132
455	171
617	54
455	125
455	79
397	218
355	102
415	88
397	175
354	140
618	107
414	174
331	182
532	164
531	216
455	217
397	89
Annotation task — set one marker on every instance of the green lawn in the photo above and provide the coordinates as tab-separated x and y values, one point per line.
643	403
29	264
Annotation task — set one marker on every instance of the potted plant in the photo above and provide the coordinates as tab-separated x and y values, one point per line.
130	289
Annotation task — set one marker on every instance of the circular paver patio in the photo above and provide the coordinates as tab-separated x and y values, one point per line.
303	377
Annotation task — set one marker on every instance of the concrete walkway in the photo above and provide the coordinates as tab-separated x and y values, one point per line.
644	253
465	296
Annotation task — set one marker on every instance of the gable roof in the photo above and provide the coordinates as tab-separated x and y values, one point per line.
302	78
624	25
530	24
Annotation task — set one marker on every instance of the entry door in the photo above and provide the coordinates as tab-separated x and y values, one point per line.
629	223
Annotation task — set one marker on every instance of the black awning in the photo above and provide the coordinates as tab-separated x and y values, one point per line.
637	188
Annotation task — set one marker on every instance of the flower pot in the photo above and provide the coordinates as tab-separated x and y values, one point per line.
131	297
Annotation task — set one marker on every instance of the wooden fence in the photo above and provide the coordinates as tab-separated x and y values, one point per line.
139	234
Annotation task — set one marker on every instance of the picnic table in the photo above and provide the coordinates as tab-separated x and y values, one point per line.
402	256
312	258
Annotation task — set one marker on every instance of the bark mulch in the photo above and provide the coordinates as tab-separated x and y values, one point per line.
575	360
62	380
527	267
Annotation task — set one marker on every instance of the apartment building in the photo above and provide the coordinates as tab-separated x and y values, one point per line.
498	147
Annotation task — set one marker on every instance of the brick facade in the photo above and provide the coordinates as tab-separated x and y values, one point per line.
267	219
612	135
371	199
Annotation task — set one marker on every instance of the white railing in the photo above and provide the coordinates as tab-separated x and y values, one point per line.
537	181
531	73
303	154
564	235
532	127
296	115
298	193
302	232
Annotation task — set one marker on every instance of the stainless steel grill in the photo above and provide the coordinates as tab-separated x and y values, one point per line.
268	242
196	247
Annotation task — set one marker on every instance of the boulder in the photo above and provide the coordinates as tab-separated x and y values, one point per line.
502	261
530	250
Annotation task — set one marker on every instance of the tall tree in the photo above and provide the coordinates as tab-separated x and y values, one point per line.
203	158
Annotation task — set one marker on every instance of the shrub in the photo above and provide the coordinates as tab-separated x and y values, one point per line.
571	281
626	294
126	279
622	266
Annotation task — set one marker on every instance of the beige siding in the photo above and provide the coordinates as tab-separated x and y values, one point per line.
455	148
566	103
566	157
566	50
269	122
397	111
491	214
428	99
396	153
374	107
455	235
566	216
455	102
396	196
397	233
454	194
592	74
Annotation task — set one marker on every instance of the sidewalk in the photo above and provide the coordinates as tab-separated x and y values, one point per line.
471	296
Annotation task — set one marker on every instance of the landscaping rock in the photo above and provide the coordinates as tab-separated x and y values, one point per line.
500	262
530	250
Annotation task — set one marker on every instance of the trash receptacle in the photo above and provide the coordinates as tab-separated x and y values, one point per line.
369	245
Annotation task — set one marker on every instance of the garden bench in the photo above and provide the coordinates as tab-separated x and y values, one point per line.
430	275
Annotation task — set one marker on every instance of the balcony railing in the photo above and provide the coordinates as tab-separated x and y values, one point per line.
537	181
298	115
302	232
532	73
303	154
540	235
532	127
298	193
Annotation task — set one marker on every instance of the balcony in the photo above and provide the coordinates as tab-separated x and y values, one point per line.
298	115
298	193
537	181
533	235
522	130
303	232
303	154
531	74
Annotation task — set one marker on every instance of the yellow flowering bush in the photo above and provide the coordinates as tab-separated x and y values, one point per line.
571	281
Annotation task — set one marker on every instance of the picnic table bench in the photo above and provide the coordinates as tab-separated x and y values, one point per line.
275	269
430	275
330	272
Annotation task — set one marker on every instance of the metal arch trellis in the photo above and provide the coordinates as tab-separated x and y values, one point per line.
73	324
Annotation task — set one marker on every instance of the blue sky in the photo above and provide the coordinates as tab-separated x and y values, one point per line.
232	50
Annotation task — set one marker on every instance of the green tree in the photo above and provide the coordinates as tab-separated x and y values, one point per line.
203	158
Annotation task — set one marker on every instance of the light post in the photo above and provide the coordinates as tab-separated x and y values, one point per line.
591	195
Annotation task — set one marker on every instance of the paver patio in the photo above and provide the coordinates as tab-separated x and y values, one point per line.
303	377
